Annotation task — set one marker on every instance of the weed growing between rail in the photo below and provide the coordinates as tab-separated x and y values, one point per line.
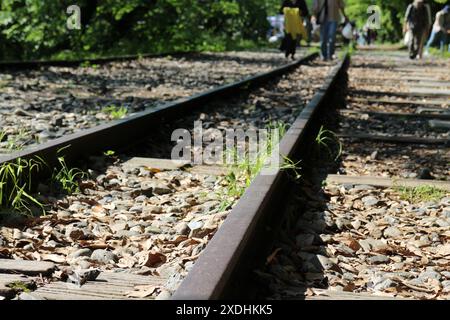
88	64
241	175
14	142
15	185
22	286
328	141
67	178
16	182
115	112
420	194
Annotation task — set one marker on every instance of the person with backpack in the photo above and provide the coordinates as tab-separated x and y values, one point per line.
418	22
441	28
294	11
328	15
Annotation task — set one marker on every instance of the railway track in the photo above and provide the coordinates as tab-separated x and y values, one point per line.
36	64
140	219
373	223
367	219
48	101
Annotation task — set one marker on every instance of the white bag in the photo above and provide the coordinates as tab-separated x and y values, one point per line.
347	32
408	38
273	39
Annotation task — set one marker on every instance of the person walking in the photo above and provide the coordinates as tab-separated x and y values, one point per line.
328	15
441	28
294	11
418	22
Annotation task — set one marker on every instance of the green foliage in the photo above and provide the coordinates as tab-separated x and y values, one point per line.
421	194
115	112
393	13
109	153
328	140
21	286
14	142
87	64
241	175
15	185
438	53
37	28
16	181
33	29
66	178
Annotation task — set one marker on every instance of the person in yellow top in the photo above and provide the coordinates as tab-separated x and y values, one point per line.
293	11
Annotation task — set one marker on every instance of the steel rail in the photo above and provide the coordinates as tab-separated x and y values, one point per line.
33	64
119	133
225	267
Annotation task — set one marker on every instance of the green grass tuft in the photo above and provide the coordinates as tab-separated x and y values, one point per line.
66	177
15	185
115	112
438	53
241	175
327	139
421	194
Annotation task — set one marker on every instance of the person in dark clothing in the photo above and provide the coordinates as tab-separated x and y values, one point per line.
301	4
289	43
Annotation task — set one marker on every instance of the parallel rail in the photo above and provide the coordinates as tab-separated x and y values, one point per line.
118	134
33	64
225	267
228	260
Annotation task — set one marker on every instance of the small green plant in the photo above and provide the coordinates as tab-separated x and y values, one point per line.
438	53
2	136
14	142
88	64
21	286
85	64
115	112
325	139
109	153
241	175
15	185
420	194
67	178
3	83
292	166
312	50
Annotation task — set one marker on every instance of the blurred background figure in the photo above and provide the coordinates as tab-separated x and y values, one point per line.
315	29
309	31
276	31
350	35
418	23
441	29
328	15
369	34
294	12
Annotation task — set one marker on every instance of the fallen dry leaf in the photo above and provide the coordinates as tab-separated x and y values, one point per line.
272	256
353	244
153	259
143	291
152	170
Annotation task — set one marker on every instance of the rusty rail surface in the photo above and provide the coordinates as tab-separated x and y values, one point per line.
120	133
225	267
